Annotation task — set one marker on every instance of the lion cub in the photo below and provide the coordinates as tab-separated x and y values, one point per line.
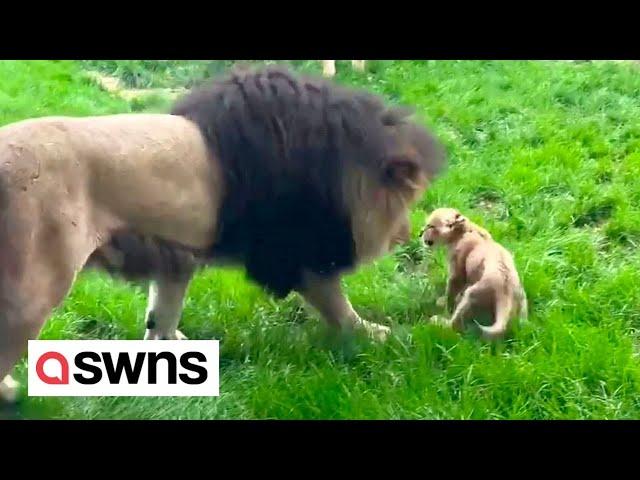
482	274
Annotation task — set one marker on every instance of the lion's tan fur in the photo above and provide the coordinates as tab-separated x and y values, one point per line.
151	171
68	183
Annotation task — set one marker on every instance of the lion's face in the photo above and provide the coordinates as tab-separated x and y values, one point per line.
381	204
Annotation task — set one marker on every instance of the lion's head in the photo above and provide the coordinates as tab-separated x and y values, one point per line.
317	177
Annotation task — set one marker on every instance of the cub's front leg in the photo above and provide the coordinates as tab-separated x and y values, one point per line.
455	287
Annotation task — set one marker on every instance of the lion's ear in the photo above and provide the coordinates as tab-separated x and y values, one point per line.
401	172
395	115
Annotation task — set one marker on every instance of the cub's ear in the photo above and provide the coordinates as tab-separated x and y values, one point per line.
459	220
401	172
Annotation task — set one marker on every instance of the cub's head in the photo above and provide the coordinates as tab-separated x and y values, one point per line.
443	226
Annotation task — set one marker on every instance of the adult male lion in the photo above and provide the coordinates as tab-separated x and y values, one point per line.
296	179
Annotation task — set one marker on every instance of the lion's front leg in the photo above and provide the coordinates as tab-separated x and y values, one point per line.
8	389
325	295
166	297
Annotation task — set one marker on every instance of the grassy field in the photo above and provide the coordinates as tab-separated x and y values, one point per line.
546	155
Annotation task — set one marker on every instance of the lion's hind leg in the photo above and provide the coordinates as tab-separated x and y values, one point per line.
39	258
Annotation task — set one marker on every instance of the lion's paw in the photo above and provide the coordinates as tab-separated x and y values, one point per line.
375	330
9	390
158	335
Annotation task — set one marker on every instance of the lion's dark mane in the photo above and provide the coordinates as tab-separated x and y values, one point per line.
283	143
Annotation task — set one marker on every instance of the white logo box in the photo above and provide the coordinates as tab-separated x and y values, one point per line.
206	350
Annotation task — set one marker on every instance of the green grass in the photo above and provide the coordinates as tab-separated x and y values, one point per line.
546	155
172	73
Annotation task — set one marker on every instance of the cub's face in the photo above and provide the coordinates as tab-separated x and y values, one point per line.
442	226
